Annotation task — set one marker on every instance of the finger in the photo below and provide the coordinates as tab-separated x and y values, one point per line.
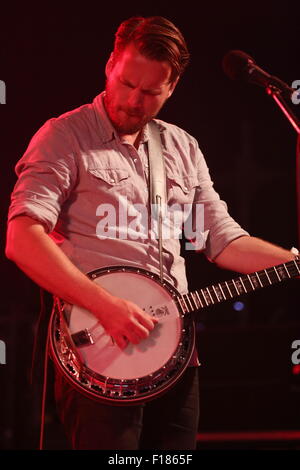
121	341
137	333
148	322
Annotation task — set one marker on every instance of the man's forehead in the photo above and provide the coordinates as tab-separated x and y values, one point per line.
132	62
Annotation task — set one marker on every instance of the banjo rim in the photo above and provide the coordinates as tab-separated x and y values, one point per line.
119	391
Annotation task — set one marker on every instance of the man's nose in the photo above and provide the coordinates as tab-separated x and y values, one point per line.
136	99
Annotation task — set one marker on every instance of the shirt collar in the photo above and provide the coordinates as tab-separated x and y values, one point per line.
107	130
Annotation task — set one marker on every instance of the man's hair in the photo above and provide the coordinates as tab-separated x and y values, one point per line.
157	39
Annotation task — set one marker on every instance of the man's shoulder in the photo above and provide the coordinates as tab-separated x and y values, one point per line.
179	144
74	116
175	132
78	122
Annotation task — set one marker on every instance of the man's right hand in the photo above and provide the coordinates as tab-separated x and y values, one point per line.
124	321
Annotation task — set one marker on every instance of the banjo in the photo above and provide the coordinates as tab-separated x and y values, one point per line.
90	360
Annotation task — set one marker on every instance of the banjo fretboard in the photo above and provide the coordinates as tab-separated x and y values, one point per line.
244	284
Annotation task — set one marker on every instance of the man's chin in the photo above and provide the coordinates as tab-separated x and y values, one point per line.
128	128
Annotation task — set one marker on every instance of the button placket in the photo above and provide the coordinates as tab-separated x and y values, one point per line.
140	162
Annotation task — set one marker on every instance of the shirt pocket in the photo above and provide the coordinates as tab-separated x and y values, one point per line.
181	189
111	181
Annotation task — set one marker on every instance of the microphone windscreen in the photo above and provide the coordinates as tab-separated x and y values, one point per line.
235	63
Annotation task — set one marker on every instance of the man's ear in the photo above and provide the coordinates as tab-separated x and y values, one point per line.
172	87
109	65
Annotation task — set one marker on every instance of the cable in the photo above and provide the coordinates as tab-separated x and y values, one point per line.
36	336
44	392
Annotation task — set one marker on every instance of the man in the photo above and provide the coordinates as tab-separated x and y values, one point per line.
98	154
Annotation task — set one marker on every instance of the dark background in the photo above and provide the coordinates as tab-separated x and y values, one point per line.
52	60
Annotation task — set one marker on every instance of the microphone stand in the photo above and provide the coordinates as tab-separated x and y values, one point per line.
276	94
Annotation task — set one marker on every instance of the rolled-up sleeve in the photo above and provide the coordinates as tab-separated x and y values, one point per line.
218	228
46	174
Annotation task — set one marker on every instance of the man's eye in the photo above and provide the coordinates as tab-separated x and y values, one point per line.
127	84
146	92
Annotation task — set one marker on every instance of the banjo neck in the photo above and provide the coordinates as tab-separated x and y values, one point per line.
217	293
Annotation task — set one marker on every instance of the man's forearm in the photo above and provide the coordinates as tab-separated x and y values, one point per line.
249	254
29	246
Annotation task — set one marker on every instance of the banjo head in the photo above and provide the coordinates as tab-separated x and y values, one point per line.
97	367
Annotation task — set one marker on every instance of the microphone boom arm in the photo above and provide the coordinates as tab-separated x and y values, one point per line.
280	101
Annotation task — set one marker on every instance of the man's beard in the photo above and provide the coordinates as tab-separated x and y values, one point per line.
123	124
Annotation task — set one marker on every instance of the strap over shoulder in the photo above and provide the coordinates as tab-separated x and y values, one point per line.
158	192
157	167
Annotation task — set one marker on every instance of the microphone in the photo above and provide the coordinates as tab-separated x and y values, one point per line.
238	65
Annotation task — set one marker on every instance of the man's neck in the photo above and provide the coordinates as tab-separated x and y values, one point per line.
133	139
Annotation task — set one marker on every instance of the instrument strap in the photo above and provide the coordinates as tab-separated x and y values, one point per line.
157	177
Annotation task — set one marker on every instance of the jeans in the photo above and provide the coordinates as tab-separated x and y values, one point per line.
169	422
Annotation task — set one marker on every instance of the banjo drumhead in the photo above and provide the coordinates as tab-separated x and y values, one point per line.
105	357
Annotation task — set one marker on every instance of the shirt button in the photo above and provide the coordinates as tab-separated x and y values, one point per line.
112	180
135	160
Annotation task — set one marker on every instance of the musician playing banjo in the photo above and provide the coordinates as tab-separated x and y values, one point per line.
77	168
